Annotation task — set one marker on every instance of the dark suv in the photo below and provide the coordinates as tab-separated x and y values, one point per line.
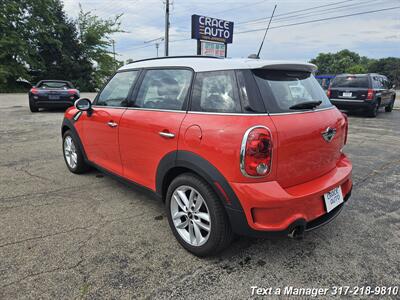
368	92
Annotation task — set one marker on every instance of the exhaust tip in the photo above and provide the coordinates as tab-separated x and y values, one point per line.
297	233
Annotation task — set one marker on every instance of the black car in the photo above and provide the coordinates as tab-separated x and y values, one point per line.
367	92
52	94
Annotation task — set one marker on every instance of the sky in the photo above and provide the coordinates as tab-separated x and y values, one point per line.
374	35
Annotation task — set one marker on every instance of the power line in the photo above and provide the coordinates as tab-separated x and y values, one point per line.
292	24
292	12
330	10
245	5
320	20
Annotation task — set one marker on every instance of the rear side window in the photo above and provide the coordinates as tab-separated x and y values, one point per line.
350	82
116	92
164	89
281	90
216	92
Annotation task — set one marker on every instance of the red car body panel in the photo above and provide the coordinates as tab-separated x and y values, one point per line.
303	154
269	206
141	145
100	141
220	142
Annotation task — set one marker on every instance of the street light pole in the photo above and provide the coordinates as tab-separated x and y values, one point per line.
156	42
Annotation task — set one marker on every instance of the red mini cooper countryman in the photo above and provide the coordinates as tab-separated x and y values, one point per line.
232	146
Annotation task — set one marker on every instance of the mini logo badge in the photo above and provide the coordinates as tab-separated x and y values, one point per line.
328	134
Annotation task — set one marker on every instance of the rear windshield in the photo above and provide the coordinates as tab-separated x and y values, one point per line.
282	89
350	82
54	85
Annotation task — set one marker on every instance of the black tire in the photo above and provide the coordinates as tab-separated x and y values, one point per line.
221	234
32	106
373	112
389	108
80	166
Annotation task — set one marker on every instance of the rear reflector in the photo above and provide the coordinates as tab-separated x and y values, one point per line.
346	128
256	152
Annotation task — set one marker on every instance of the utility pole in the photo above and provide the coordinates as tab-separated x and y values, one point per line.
115	61
166	26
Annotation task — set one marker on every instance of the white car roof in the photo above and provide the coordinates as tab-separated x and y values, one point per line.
203	64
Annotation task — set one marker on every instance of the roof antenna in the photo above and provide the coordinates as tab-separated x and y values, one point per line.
265	34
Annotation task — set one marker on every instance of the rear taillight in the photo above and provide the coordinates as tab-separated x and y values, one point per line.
328	93
34	91
256	152
72	92
370	95
346	128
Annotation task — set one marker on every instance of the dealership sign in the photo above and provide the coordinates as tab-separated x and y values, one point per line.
213	49
212	29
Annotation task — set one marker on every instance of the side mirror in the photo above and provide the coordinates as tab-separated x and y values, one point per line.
393	86
83	104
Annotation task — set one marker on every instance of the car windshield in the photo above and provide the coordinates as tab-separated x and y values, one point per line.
350	82
284	89
54	85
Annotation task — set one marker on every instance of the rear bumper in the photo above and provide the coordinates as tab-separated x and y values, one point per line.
55	103
352	104
273	211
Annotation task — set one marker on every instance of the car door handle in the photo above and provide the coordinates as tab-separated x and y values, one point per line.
167	135
112	124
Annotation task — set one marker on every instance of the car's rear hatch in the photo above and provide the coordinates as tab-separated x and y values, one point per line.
349	87
303	151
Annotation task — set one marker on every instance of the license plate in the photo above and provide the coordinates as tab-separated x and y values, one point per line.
346	94
333	198
54	97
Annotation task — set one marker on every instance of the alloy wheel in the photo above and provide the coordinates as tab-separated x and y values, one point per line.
190	215
70	153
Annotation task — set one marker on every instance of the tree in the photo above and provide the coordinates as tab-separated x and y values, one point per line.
389	66
94	35
344	61
14	48
38	41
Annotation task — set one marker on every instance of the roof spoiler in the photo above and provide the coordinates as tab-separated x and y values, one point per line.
306	67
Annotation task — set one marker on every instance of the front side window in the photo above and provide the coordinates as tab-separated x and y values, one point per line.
216	92
283	90
164	89
116	92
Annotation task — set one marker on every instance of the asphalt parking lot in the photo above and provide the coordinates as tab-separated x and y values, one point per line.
89	236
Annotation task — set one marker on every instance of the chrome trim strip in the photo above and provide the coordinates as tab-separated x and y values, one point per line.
243	152
140	108
259	114
155	109
217	113
347	100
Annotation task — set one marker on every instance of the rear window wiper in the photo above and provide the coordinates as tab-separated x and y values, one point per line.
306	105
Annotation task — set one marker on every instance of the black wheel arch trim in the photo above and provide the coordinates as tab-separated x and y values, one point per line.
70	125
199	165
